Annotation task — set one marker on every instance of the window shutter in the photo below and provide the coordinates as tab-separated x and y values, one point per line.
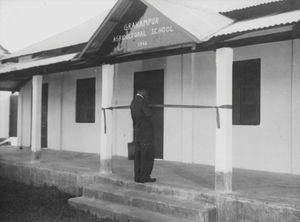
85	100
246	92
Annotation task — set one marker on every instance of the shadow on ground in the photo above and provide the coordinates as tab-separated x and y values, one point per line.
20	202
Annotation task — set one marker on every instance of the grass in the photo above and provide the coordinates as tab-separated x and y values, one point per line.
20	202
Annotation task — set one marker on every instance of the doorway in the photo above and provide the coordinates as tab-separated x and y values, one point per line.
13	115
154	81
44	124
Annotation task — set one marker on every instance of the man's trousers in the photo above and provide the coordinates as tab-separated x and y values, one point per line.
143	161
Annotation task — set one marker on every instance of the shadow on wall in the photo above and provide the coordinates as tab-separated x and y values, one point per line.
11	141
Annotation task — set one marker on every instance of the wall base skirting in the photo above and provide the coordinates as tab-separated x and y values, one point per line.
105	166
36	156
223	181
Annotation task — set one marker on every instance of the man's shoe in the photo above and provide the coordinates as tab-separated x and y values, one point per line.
149	180
137	180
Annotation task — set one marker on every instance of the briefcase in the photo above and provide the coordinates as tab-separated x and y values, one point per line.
131	150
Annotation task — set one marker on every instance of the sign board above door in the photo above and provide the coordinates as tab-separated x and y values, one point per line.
145	29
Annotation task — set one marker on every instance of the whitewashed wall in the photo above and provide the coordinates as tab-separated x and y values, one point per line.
189	135
4	114
295	154
190	80
54	134
63	131
83	137
185	131
25	121
269	145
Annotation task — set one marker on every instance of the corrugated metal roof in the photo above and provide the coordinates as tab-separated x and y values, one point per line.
10	67
115	14
199	17
221	5
197	21
243	4
77	35
261	23
3	51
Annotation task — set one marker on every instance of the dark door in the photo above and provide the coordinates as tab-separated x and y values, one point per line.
13	115
44	128
154	81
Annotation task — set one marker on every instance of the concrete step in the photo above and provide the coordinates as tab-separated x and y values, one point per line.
158	188
199	211
121	213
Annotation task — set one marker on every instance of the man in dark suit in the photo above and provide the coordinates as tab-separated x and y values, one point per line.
143	137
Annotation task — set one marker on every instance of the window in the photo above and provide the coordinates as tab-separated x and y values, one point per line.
246	92
85	100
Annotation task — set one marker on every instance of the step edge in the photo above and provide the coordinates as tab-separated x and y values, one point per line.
176	202
163	206
78	201
178	192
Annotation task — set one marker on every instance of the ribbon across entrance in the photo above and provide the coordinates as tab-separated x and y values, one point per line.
217	108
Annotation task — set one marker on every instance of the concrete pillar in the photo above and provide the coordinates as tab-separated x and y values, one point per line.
20	119
223	152
106	119
36	113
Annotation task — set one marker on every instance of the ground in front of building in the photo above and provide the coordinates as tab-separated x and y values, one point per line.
20	202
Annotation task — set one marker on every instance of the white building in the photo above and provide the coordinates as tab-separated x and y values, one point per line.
4	114
7	110
229	82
